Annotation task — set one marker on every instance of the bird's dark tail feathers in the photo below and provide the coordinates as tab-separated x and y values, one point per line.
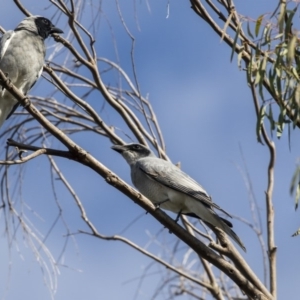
226	227
234	236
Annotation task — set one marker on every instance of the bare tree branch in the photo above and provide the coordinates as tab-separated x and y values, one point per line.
80	155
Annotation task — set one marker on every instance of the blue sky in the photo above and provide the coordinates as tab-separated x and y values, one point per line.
206	114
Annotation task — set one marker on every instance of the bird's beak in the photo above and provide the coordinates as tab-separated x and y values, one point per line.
118	148
55	30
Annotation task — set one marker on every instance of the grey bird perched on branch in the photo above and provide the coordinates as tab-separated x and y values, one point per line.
170	188
22	55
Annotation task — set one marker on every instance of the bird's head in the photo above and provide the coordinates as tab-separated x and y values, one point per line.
40	25
133	152
45	27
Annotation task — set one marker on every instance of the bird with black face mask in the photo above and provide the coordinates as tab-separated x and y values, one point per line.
22	56
170	188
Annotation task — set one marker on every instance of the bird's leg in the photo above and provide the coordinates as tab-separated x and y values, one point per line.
158	204
178	216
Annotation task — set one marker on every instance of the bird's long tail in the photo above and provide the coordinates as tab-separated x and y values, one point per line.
225	225
235	237
207	214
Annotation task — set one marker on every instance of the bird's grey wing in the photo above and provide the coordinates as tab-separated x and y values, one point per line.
18	104
172	177
4	42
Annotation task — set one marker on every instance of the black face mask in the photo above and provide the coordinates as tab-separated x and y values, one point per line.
45	27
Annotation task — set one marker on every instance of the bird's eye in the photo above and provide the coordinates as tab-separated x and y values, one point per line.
136	147
46	21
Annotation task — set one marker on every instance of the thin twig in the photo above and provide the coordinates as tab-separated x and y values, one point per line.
269	199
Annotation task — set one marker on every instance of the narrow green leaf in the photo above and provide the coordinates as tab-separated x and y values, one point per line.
257	51
291	49
271	119
260	76
226	25
296	233
276	9
249	73
267	35
297	196
249	68
276	37
271	78
249	30
297	95
264	63
278	85
294	72
239	59
281	16
235	41
259	123
285	87
258	24
283	51
278	72
289	24
279	130
261	89
297	58
295	180
296	117
281	123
